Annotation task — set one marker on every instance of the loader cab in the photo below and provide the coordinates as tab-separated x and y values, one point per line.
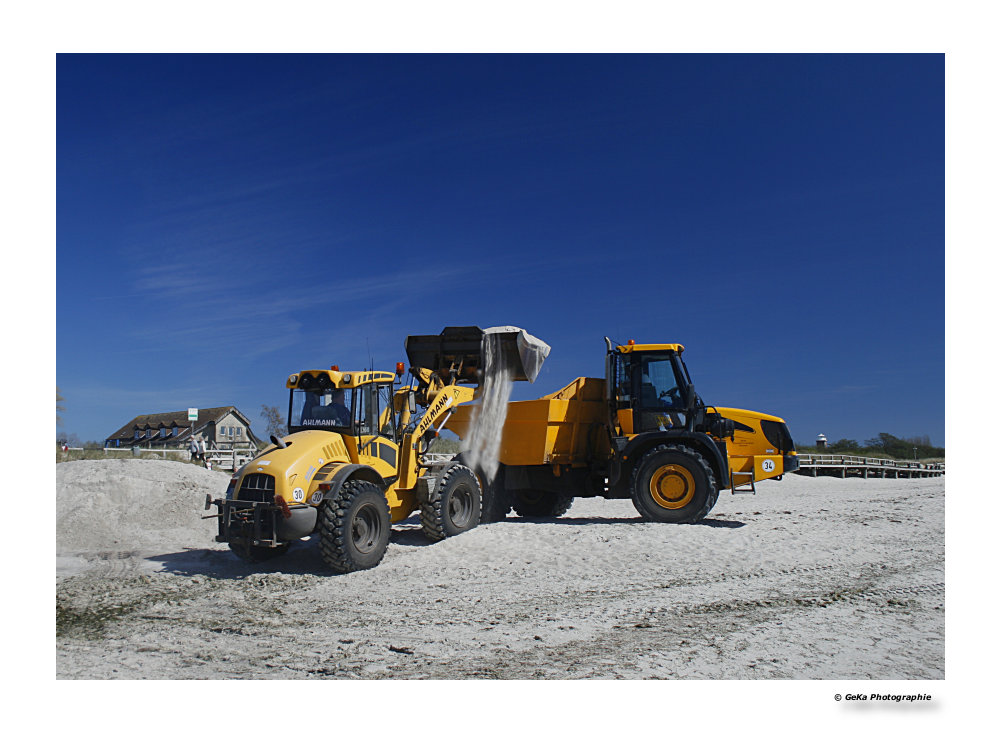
351	403
649	388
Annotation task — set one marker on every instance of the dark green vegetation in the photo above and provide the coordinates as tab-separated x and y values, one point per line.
87	616
885	445
445	445
88	454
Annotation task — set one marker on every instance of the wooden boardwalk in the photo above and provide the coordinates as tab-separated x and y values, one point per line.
824	464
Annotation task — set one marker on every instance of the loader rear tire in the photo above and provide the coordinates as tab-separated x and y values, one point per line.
496	499
673	483
456	506
354	527
533	503
257	553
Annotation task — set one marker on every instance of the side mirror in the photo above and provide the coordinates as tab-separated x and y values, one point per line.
411	401
692	399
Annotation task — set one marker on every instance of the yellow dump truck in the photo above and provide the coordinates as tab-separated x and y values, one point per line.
642	432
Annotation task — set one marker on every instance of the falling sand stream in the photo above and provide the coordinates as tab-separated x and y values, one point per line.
483	443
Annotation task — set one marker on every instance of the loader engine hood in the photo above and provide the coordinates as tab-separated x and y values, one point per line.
458	350
295	467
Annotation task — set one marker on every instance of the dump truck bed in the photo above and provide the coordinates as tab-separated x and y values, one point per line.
566	427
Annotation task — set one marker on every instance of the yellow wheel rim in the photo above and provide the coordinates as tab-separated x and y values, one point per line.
672	486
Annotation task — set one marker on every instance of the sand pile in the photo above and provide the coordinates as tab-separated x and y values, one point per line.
132	505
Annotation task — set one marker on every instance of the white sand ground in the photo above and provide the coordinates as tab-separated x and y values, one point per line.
811	578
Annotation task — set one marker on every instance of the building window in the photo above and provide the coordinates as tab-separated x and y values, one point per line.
137	433
163	432
174	431
239	432
149	431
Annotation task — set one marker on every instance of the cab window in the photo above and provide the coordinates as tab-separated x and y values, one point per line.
366	410
386	414
320	408
659	398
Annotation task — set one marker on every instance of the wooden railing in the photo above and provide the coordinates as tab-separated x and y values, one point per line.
230	460
826	459
813	462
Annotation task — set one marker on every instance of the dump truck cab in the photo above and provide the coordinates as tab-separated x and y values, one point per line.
649	388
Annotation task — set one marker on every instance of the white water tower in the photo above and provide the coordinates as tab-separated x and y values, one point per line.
821	441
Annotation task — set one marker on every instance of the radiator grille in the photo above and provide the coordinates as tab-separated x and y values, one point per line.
257	487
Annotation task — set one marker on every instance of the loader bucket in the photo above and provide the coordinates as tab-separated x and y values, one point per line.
460	348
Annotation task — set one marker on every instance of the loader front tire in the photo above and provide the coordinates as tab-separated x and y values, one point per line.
257	553
354	527
673	483
533	503
456	506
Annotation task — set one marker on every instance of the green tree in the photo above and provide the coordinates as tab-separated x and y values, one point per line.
845	445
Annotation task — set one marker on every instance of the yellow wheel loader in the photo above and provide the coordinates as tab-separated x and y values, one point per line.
641	433
356	457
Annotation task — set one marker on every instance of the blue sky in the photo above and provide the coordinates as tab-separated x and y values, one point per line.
223	221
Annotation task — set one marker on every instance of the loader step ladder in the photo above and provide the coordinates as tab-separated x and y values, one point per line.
732	484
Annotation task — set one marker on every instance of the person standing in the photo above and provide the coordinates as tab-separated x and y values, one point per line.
194	450
201	452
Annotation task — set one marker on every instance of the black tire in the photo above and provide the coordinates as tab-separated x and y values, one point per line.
533	503
496	499
456	506
257	553
673	483
354	527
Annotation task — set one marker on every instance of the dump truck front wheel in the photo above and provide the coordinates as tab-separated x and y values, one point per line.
456	505
257	553
533	503
354	527
673	483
